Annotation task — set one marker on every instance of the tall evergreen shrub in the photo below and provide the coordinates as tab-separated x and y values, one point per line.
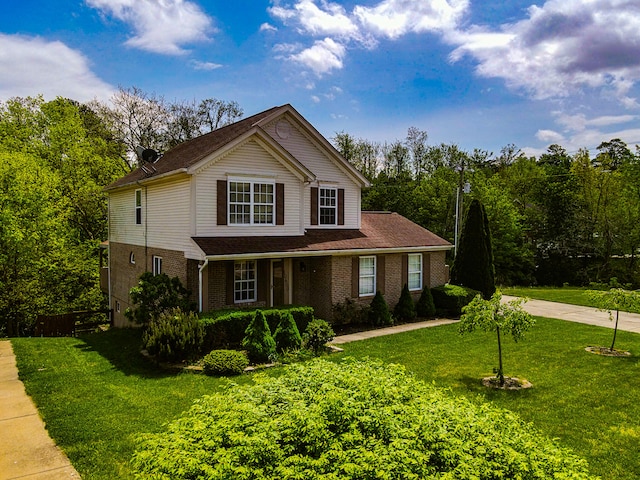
379	313
287	335
473	265
258	342
405	309
425	307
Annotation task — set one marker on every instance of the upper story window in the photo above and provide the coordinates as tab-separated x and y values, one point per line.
138	207
251	203
367	280
328	204
414	271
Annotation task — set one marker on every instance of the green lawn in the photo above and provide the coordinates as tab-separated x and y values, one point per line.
572	295
96	393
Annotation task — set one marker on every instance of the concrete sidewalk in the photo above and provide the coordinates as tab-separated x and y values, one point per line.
26	450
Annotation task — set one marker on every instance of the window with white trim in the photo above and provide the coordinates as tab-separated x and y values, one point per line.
367	280
244	281
138	206
157	265
251	203
328	205
414	271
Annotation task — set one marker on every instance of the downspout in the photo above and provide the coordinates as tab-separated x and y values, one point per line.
200	290
111	305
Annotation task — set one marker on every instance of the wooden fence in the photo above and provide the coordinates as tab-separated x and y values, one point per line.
70	324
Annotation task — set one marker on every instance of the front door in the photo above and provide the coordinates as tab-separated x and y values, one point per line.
277	283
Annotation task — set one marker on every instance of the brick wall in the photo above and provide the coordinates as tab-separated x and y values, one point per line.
125	274
439	269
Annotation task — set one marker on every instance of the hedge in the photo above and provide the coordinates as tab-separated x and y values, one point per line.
228	329
449	299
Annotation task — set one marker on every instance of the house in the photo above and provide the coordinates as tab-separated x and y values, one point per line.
263	212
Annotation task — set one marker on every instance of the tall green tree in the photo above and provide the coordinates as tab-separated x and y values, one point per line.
473	265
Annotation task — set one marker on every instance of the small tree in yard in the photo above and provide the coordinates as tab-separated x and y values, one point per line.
405	309
615	299
425	307
287	335
379	313
155	294
493	315
258	342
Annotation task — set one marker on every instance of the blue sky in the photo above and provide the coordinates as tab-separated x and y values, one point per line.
477	73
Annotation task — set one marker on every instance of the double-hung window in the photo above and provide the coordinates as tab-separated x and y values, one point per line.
251	203
367	280
328	205
138	206
414	271
244	281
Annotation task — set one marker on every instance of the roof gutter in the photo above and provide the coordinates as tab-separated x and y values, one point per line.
147	180
324	253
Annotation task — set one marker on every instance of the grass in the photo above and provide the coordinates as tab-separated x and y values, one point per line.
96	393
572	295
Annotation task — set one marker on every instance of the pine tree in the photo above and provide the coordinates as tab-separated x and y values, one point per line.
425	307
473	265
379	313
258	341
287	335
405	309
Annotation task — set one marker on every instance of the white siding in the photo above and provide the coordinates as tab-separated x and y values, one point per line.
253	161
165	216
325	170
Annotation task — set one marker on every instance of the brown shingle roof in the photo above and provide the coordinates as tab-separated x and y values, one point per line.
192	151
379	230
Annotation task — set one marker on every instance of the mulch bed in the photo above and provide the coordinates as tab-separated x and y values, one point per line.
510	383
607	352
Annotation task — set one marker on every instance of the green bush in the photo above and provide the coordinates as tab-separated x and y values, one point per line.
174	336
379	313
405	309
449	299
260	345
351	420
349	312
317	335
425	308
225	362
287	335
227	329
155	294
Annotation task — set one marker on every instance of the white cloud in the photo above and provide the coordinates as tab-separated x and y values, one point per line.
323	57
208	66
161	26
331	19
394	18
564	47
32	66
267	27
549	136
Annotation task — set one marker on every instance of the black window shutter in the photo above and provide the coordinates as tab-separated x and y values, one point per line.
355	277
279	203
314	205
263	276
341	206
222	202
380	276
229	268
405	269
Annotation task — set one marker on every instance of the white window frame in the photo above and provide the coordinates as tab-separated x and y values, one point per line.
157	265
259	206
138	206
414	272
245	281
328	203
368	275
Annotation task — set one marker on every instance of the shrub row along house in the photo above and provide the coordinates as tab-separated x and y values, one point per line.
263	212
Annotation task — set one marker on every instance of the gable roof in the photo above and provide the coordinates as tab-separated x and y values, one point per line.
379	231
190	153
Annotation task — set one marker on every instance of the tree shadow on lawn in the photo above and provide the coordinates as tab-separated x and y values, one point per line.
121	347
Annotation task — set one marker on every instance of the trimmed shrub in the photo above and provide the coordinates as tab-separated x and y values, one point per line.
227	329
174	336
260	345
379	311
349	420
425	307
287	335
317	335
449	299
225	362
405	309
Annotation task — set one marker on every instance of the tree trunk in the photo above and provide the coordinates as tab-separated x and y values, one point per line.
500	371
615	331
